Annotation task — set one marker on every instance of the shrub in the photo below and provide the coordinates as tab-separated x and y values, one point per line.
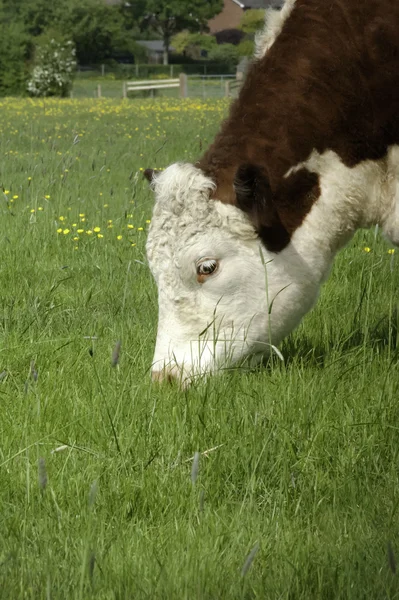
225	53
54	69
246	48
229	36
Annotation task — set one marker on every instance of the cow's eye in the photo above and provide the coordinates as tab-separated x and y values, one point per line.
206	267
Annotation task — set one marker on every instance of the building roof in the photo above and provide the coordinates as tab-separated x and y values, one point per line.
153	45
245	4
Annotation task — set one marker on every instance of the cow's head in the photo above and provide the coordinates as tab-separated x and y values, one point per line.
223	297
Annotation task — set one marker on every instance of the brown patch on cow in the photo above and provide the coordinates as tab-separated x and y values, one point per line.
275	215
330	81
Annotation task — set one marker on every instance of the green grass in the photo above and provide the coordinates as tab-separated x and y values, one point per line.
298	495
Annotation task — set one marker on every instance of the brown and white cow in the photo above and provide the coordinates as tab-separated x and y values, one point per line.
241	241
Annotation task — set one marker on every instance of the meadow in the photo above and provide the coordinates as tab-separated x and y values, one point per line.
280	482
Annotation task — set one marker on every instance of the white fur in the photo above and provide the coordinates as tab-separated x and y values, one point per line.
274	21
231	309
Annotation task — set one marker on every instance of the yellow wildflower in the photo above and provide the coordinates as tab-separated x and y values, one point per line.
97	229
391	251
367	249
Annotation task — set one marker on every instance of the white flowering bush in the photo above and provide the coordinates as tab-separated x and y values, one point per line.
54	69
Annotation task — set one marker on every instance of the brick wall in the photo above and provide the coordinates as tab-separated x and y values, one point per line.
229	18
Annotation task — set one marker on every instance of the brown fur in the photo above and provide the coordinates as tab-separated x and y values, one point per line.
329	81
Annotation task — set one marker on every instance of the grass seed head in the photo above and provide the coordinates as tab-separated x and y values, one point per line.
116	354
195	468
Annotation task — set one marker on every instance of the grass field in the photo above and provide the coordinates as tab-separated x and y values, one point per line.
294	493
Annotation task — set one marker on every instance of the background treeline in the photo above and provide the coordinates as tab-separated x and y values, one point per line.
102	32
99	32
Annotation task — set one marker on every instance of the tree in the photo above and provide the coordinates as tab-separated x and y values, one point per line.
15	49
194	45
253	20
168	17
96	28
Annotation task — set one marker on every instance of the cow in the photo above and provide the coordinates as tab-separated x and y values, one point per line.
241	240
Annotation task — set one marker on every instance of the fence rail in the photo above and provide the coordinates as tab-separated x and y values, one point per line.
192	86
136	86
233	87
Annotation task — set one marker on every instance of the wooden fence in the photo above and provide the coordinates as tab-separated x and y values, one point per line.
210	86
233	86
157	84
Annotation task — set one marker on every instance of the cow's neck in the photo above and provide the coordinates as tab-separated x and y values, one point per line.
348	198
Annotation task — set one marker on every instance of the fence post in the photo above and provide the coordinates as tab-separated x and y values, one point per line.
136	66
124	90
227	88
183	85
102	70
99	91
171	71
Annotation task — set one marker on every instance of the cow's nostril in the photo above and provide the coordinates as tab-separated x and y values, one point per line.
163	376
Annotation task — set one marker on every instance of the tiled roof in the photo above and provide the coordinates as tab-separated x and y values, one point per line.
153	45
260	3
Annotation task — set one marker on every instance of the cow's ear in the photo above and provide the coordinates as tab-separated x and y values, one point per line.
252	188
254	196
150	174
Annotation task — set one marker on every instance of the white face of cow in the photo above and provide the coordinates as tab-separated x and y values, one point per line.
222	297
